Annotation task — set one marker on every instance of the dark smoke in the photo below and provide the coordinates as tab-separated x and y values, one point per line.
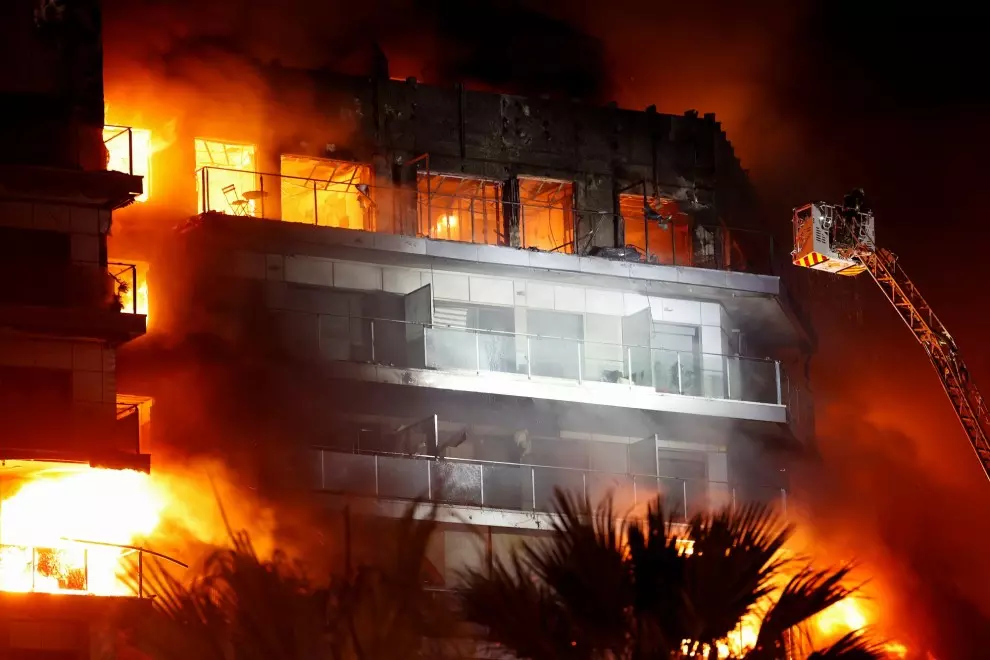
498	44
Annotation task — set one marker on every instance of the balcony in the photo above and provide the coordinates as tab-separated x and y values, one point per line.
73	163
557	368
80	299
98	434
517	487
476	212
75	567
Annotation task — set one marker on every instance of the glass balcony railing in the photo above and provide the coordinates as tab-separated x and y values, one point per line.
518	487
77	567
412	345
481	217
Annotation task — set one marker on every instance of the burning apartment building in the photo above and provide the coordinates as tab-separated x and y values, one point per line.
70	443
474	298
463	297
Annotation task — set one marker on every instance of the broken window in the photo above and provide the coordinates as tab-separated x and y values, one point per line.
456	208
546	214
328	193
657	228
129	151
226	178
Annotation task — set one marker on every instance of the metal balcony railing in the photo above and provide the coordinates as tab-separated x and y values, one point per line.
120	147
477	218
407	344
515	486
71	285
76	567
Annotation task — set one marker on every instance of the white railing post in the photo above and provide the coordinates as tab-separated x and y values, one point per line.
481	468
529	361
728	378
372	325
629	360
653	368
532	484
579	370
780	398
680	386
426	343
477	351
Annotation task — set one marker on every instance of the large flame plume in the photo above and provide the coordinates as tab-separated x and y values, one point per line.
76	529
53	525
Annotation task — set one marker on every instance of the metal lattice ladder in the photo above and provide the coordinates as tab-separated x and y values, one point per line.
940	346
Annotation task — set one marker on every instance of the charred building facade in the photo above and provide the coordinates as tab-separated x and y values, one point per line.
65	308
477	298
487	296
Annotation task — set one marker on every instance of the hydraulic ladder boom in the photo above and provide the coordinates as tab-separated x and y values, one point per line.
941	348
839	239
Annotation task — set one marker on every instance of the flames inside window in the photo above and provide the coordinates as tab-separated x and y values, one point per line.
546	214
129	151
657	228
131	281
329	193
458	208
227	180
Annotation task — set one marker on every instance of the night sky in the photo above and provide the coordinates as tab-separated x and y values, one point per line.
817	97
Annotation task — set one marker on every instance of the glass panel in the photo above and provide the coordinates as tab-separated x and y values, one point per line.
548	479
329	193
403	478
450	349
660	230
348	473
231	182
554	358
546	216
758	380
456	483
458	208
508	487
619	485
498	352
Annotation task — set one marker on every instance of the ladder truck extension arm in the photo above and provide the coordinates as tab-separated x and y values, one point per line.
839	239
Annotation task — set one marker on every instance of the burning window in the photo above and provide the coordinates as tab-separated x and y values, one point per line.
226	180
457	208
546	218
328	193
657	228
131	280
58	526
129	151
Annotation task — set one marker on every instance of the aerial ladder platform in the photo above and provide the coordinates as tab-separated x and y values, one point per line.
840	239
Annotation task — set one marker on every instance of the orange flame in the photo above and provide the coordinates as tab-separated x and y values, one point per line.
44	523
129	150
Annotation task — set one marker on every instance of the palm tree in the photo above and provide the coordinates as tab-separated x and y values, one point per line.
241	607
602	589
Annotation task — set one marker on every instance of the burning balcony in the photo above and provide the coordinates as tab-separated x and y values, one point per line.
43	425
129	152
455	208
524	213
80	299
74	530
